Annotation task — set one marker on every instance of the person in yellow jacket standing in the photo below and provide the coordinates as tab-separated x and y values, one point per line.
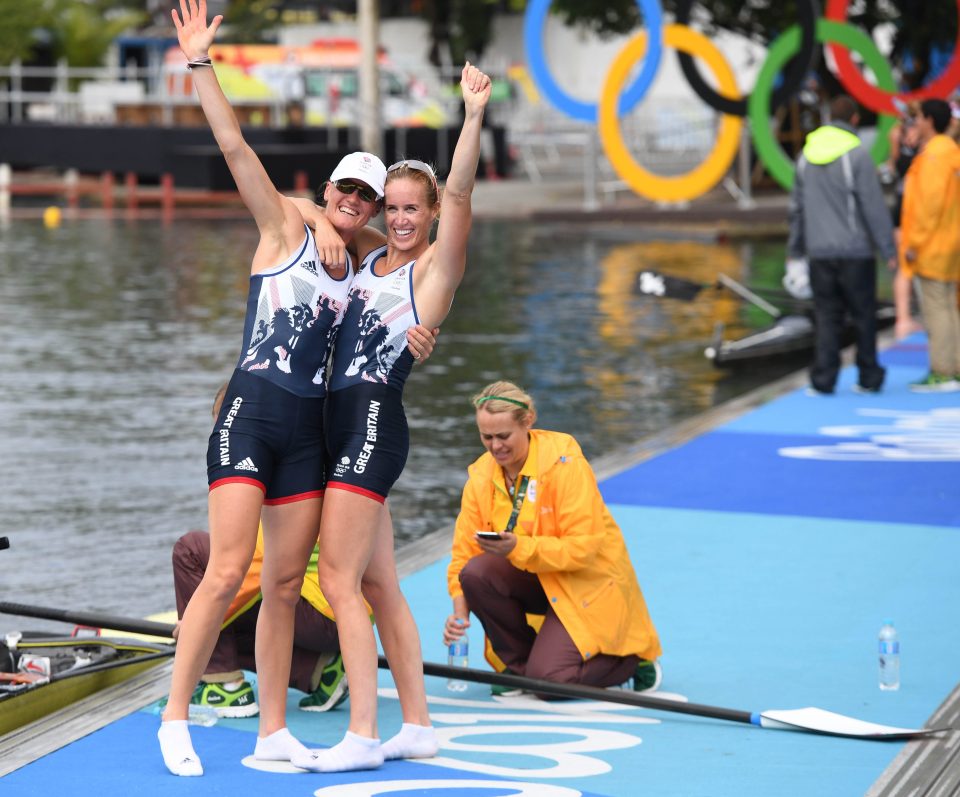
534	542
930	242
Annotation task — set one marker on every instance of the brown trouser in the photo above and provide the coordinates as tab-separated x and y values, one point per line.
501	596
313	633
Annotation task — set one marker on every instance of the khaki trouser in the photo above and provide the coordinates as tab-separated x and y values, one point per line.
938	304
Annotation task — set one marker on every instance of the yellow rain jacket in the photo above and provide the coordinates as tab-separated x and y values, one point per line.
567	536
931	211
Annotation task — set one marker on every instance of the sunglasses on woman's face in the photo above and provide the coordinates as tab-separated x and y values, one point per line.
365	192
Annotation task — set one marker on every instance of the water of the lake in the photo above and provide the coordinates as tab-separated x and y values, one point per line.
117	334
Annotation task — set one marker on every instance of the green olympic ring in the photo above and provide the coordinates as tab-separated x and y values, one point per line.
768	148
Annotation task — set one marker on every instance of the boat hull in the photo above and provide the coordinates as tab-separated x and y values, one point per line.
34	701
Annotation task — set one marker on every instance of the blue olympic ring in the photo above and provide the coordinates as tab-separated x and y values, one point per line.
587	111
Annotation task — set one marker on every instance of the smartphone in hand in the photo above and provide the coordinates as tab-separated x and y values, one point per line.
489	535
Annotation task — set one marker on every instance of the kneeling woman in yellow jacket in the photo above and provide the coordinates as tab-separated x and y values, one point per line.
558	561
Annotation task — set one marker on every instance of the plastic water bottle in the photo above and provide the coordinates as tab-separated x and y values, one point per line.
202	715
889	649
457	656
196	714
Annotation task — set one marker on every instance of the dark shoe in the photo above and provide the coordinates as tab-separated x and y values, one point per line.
498	690
858	388
812	391
648	676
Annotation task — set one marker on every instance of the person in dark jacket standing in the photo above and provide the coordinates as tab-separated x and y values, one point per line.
838	219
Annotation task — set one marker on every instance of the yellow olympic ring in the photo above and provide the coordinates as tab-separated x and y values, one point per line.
715	165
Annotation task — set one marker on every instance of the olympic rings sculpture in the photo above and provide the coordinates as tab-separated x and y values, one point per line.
646	47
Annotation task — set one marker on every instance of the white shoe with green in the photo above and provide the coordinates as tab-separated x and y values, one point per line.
936	383
228	700
332	689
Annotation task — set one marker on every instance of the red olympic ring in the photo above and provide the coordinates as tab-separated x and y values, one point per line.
805	60
874	98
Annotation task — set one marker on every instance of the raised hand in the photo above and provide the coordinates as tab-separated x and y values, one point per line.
193	33
475	86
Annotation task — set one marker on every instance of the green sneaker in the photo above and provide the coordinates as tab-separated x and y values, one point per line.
647	676
331	691
498	690
238	701
935	383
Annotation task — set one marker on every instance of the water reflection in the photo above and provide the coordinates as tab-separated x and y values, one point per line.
119	332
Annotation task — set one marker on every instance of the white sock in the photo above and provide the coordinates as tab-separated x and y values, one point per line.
353	752
279	746
413	741
177	749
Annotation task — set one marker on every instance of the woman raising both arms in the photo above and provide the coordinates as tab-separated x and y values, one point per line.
406	282
266	454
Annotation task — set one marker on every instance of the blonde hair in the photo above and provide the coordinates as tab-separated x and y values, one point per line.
505	396
427	179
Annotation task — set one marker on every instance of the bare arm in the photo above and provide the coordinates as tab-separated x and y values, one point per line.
277	220
332	249
449	251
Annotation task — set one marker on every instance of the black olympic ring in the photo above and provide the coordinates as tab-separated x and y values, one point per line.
805	61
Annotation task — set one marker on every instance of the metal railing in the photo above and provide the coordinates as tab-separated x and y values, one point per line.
667	138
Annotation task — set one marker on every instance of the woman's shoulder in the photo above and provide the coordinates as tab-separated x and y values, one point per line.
556	444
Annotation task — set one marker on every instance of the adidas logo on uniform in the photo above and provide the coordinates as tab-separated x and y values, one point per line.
245	464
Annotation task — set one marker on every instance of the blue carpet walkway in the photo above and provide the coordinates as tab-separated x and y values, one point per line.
770	550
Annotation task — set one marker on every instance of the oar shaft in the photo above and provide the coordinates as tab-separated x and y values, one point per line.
93	619
623	696
745	293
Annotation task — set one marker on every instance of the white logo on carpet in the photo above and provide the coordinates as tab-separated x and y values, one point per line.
908	436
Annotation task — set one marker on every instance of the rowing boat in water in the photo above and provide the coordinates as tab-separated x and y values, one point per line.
789	336
41	674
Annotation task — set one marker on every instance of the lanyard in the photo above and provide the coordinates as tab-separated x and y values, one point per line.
517	503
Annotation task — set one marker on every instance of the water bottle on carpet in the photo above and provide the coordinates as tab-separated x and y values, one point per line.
889	648
457	656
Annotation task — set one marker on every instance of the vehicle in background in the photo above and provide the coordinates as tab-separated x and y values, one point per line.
319	80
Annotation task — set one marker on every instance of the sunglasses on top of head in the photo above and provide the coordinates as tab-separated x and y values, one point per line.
419	166
365	192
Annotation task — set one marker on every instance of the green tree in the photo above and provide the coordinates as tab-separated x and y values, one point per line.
460	28
250	21
82	32
16	32
920	28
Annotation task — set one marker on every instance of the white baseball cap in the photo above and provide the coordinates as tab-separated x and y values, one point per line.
362	166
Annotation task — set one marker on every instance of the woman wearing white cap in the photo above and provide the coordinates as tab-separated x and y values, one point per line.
266	455
409	281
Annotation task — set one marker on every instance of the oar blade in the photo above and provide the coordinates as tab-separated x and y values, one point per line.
819	720
653	283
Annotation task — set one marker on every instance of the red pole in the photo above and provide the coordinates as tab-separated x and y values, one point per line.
301	184
130	181
166	193
70	181
106	190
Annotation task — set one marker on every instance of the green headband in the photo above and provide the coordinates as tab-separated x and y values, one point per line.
503	398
